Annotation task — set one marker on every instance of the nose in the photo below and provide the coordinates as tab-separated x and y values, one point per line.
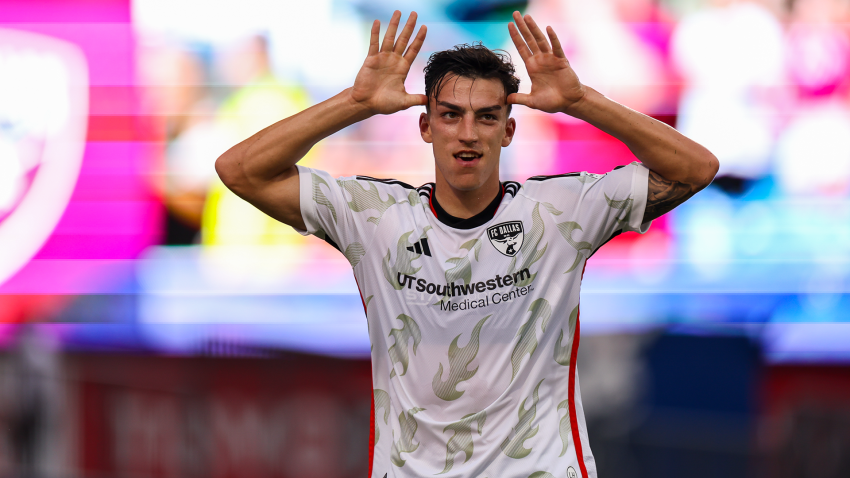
468	133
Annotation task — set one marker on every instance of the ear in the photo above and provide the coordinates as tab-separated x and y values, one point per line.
510	129
425	128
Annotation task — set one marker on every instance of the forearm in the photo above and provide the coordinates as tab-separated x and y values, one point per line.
275	150
660	147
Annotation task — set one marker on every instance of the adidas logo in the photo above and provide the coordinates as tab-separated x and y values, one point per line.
420	247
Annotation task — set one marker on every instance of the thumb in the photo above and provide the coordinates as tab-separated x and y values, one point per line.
415	100
519	99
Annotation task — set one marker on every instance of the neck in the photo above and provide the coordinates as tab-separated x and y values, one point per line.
465	204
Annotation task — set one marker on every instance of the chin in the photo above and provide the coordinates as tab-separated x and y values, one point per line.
466	183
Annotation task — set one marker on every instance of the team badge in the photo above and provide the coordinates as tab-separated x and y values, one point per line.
506	237
43	112
571	473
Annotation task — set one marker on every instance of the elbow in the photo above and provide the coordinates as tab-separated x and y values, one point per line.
709	170
713	168
229	170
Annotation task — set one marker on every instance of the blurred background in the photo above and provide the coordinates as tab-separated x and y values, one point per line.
152	324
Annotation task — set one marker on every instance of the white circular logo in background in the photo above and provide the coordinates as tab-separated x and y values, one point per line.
571	473
43	119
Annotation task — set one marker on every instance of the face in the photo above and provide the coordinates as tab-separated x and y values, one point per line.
468	126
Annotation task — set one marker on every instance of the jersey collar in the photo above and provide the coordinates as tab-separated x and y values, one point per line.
479	219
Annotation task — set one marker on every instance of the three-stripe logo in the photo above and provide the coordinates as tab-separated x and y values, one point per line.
420	247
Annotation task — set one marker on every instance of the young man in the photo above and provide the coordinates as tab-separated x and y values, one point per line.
468	259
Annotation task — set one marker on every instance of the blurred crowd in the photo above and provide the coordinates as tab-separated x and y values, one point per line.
762	83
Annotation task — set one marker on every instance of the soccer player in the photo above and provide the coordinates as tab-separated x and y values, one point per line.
470	285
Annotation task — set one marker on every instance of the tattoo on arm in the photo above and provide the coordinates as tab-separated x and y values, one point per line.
664	195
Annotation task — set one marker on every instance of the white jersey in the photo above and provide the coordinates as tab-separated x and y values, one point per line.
474	323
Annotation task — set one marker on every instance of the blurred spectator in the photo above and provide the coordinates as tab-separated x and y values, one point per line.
813	157
261	101
730	56
613	375
818	47
32	402
618	47
178	93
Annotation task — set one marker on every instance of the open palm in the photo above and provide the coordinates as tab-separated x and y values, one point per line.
554	85
380	82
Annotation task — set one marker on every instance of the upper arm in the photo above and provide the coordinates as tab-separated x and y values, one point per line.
663	195
280	197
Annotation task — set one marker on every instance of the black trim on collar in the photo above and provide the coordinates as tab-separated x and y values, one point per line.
427	190
386	181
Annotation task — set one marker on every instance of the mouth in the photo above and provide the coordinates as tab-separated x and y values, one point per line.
468	157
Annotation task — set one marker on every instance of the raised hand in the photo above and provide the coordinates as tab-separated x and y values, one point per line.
554	85
379	85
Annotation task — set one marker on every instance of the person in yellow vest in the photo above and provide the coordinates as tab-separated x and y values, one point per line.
227	219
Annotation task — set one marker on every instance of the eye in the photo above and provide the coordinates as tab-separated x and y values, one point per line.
449	114
490	117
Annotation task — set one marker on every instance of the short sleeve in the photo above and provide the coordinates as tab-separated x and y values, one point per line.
324	209
601	205
346	212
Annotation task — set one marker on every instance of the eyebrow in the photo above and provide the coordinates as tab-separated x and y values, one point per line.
454	107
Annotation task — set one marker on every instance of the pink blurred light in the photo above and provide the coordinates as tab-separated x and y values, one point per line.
112	215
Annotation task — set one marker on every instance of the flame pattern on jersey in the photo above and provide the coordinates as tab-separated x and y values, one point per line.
363	199
462	268
382	400
564	426
462	438
413	198
562	354
566	229
403	260
398	351
530	252
459	359
552	209
354	252
407	426
527	333
515	447
624	206
319	196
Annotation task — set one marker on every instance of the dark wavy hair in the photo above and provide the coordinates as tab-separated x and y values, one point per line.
469	61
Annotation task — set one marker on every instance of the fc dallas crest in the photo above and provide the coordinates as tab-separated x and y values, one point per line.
506	237
43	117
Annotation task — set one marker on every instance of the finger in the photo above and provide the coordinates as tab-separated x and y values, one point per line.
519	43
520	99
373	40
526	33
413	50
556	44
401	43
538	34
415	100
389	36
